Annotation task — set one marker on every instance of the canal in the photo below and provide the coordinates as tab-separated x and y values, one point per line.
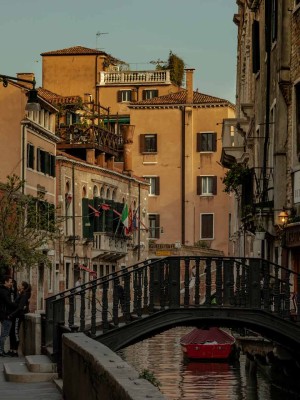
162	356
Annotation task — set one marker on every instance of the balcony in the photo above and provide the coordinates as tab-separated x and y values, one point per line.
79	136
233	149
108	247
160	77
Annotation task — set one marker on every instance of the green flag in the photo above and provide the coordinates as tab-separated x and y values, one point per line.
124	216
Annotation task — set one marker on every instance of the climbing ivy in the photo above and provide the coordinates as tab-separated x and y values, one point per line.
176	66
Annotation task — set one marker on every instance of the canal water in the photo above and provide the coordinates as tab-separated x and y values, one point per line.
178	379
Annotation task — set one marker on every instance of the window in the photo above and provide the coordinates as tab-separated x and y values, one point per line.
149	94
45	162
154	228
255	47
72	118
206	185
148	143
30	156
274	17
207	226
154	185
124	96
207	141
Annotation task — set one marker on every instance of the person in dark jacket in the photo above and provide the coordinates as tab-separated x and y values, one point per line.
18	316
7	306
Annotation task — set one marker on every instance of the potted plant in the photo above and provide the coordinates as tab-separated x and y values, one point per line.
235	177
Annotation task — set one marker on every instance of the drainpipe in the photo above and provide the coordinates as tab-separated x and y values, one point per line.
23	158
73	206
183	177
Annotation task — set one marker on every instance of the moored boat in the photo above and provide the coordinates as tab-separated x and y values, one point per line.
208	344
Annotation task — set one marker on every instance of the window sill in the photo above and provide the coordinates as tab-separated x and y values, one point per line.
207	152
207	195
149	152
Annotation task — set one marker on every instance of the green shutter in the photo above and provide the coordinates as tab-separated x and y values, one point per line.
85	218
199	185
109	216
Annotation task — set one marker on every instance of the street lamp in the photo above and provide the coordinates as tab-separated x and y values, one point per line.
32	102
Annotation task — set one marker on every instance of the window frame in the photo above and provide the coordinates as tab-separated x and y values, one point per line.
125	96
200	185
149	94
30	155
207	147
154	181
154	231
209	224
148	148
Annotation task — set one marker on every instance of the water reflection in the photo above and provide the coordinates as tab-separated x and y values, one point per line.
179	379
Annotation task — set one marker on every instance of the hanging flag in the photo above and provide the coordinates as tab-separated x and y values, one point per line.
124	216
105	207
128	230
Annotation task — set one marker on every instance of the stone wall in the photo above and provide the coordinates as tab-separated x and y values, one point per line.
91	371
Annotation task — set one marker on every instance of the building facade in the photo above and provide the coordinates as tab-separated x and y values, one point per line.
266	131
177	149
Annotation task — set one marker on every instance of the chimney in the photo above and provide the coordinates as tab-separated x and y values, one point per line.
189	84
101	160
90	156
111	163
127	133
29	76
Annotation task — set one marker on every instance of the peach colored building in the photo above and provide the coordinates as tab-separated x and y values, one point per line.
30	149
102	79
177	147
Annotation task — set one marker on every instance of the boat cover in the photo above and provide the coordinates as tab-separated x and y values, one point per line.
209	336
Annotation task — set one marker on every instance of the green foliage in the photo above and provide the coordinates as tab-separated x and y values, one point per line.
176	67
149	376
27	225
234	177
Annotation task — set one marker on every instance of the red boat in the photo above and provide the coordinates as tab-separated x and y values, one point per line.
208	344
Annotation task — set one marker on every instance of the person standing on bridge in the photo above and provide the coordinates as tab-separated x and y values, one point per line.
7	306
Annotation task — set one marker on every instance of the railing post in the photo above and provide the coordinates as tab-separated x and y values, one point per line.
208	282
162	285
219	283
93	310
82	310
197	281
72	303
287	295
228	283
139	294
145	285
174	282
254	283
298	298
186	282
116	301
105	306
151	290
277	299
127	298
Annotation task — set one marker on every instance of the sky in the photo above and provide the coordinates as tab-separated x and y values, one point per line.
201	32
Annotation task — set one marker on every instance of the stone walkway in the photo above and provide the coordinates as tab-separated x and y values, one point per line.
25	391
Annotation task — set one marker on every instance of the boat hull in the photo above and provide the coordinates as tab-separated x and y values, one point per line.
208	344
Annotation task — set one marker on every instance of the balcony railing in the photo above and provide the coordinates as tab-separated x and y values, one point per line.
134	77
93	136
109	246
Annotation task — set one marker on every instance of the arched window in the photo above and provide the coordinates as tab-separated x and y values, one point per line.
102	192
95	191
108	194
114	195
83	191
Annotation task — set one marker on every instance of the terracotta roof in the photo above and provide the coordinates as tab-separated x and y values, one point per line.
55	98
81	51
75	50
180	98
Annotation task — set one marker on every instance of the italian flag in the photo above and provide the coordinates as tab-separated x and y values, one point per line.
124	216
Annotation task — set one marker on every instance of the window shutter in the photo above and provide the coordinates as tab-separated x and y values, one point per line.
199	185
157	226
255	47
97	219
142	143
38	166
144	94
47	163
157	186
214	141
85	218
155	93
214	185
43	161
52	163
68	119
198	142
119	96
207	226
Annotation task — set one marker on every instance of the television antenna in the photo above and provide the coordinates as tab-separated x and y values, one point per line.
98	34
158	62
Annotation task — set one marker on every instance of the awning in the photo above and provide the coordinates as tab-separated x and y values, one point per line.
87	269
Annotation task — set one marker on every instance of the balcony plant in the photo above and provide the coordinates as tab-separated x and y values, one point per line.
235	177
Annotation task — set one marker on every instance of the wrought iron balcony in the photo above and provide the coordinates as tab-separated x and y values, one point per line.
108	246
79	136
160	77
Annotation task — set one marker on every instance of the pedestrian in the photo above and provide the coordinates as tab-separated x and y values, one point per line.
7	306
17	317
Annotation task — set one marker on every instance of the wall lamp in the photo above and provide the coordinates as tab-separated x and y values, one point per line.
32	102
283	217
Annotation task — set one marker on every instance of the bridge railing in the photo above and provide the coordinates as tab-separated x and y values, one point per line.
172	282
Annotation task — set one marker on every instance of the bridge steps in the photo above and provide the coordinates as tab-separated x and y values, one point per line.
36	368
